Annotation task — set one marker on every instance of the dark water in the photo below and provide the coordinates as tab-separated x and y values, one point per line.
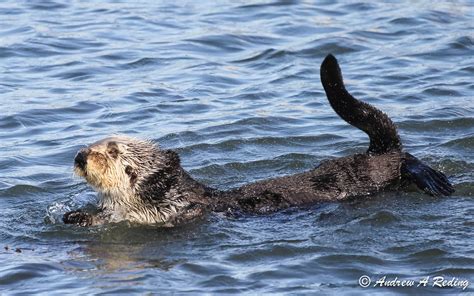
234	87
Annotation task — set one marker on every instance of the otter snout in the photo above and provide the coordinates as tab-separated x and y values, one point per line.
81	159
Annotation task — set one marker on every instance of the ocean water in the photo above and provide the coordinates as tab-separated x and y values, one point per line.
234	87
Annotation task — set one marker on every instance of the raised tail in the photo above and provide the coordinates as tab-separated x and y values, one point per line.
381	130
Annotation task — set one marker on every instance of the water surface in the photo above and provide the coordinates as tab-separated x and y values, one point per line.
234	87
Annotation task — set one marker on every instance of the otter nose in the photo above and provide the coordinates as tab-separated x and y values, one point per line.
81	159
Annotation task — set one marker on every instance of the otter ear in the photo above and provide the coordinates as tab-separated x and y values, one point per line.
112	149
131	173
172	158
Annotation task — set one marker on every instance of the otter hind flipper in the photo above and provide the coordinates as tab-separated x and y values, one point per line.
427	179
376	124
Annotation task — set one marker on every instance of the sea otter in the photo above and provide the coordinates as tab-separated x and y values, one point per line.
139	182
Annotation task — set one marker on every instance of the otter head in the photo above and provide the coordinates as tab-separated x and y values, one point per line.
120	166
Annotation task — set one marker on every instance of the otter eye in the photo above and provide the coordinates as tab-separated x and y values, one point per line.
112	149
133	176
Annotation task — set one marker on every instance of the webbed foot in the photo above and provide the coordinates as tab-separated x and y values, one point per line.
427	179
78	217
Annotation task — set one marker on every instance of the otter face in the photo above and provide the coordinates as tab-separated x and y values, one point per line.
116	164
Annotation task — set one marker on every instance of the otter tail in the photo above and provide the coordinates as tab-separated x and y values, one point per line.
381	130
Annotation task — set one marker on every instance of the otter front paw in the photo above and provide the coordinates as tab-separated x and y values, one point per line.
78	217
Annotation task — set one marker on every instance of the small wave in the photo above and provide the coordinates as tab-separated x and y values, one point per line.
407	21
21	190
232	144
47	5
336	46
272	252
382	36
141	63
36	117
428	253
65	45
466	143
27	51
437	124
381	218
349	260
26	272
440	91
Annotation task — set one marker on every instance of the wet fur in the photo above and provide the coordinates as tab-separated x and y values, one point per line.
139	182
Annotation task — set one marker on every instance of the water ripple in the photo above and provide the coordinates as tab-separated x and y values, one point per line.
234	88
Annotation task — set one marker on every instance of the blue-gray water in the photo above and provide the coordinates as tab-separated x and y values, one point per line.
234	87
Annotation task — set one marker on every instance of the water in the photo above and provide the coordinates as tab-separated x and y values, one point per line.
234	87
